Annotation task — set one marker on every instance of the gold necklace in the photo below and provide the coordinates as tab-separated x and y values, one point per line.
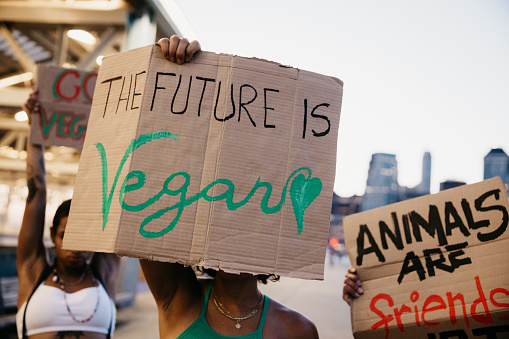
227	314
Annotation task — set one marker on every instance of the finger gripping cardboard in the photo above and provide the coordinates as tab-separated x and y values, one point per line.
224	162
434	266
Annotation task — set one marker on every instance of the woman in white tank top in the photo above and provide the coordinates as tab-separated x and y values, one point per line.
71	298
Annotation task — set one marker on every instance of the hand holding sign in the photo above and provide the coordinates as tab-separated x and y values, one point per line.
239	162
352	287
32	105
178	50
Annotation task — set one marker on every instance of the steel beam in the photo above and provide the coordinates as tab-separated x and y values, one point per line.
13	96
24	60
65	12
105	40
171	20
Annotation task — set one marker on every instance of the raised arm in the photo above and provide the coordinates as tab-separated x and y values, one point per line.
165	279
107	265
31	257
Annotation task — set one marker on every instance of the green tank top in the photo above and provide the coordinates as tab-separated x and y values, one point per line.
200	329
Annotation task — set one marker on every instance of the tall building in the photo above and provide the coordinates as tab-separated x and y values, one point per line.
445	185
425	185
382	184
496	164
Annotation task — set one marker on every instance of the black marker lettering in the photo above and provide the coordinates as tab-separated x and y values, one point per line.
233	104
157	87
395	237
242	105
455	251
305	119
134	90
415	266
265	90
128	94
205	80
406	227
432	225
109	90
473	225
505	217
361	251
450	211
175	95
314	115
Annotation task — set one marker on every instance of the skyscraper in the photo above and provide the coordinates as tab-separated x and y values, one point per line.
382	184
425	185
496	164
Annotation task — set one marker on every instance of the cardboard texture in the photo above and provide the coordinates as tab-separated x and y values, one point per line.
434	266
66	98
224	162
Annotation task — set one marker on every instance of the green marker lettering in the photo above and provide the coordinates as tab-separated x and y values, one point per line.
303	191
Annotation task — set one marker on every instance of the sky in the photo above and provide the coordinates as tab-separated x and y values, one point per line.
429	75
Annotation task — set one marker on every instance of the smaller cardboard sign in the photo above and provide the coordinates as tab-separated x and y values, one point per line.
434	266
66	98
224	162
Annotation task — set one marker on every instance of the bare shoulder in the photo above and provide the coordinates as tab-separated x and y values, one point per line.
283	322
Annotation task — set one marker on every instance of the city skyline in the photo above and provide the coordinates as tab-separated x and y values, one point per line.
383	171
418	76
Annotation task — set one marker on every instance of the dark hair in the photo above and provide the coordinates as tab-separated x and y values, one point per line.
62	212
263	278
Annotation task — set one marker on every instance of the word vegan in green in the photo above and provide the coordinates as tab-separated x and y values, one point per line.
303	190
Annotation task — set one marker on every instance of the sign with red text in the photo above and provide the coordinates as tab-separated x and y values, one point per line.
66	98
224	162
434	266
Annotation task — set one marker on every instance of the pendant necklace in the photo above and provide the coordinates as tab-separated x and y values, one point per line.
227	314
57	278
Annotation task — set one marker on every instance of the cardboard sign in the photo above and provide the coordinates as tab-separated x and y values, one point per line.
225	162
66	99
433	267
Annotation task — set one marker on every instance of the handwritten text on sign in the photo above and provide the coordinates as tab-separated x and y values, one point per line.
407	228
66	97
247	95
192	162
477	309
303	190
457	236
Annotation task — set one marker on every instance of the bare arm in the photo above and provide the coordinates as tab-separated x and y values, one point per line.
171	282
31	257
107	265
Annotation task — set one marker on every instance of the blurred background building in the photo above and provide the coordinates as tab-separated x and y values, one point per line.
382	186
496	164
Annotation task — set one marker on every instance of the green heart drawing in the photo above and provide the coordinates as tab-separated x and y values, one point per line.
302	192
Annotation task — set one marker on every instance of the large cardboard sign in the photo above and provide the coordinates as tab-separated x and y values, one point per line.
66	98
433	267
225	162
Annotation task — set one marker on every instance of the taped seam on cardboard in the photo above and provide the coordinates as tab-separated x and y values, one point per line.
135	155
288	169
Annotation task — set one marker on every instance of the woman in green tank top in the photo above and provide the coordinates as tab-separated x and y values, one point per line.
229	306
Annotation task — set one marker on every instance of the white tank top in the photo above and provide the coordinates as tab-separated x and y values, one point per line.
47	311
